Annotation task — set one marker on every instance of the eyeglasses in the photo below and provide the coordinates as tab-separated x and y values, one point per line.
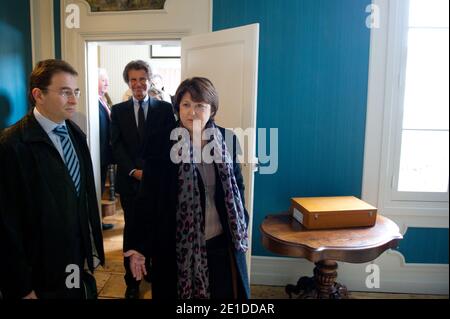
198	107
66	93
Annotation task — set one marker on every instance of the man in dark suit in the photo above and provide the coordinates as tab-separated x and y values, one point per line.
50	231
129	121
104	114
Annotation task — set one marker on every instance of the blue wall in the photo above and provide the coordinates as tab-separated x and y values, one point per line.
313	78
15	60
425	245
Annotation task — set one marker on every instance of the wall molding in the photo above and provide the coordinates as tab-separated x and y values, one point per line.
417	217
150	11
135	35
396	276
42	30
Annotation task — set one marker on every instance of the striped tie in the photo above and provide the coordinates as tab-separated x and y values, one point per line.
70	156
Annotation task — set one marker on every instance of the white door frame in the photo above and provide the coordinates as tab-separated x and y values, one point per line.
172	22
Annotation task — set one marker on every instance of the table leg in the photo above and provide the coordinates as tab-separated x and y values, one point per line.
322	286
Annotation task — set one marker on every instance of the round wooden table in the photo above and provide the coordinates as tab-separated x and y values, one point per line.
283	235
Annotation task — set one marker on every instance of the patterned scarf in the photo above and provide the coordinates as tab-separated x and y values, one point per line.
193	275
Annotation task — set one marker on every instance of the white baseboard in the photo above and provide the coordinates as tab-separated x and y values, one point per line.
396	276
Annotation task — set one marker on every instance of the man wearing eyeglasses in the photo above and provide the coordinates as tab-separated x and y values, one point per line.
50	230
131	122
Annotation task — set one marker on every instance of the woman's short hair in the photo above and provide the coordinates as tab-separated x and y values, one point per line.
137	65
201	90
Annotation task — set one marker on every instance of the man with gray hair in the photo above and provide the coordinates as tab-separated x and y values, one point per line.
104	114
128	131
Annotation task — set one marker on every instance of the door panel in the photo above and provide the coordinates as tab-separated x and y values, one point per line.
229	58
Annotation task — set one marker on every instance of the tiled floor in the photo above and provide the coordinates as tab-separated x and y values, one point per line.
111	284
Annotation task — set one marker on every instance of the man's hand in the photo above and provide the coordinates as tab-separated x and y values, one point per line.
137	264
31	295
138	174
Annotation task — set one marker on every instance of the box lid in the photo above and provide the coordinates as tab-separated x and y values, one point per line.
332	204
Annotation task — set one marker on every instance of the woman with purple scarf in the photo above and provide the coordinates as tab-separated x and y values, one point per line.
190	216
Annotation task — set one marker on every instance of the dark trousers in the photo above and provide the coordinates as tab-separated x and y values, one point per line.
219	266
127	203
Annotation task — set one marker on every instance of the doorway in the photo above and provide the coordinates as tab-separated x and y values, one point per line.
162	55
111	57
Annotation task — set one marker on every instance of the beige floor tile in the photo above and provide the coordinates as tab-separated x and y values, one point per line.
101	279
114	287
114	266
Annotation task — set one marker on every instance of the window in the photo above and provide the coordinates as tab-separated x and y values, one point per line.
421	156
406	152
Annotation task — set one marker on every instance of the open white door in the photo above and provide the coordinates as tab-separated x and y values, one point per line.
229	58
92	129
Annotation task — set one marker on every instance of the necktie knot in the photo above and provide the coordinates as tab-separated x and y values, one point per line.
61	131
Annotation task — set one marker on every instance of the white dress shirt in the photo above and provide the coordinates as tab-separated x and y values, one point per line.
136	108
49	126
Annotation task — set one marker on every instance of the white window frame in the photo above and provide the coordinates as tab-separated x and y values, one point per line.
383	126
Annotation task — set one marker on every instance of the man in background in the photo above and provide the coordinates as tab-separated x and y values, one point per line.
158	84
128	130
104	113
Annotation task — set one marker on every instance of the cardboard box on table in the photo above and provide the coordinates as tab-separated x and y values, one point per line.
332	212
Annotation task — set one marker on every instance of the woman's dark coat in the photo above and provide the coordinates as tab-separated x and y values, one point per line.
155	224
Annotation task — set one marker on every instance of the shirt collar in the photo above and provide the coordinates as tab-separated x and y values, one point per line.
136	102
47	125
